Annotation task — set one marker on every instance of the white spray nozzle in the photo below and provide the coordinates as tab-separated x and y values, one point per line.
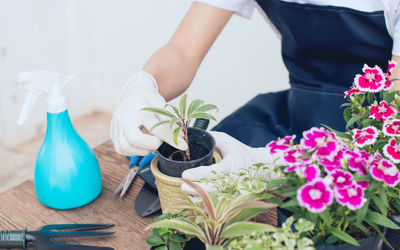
40	82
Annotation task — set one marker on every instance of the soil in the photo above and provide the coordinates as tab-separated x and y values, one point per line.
196	152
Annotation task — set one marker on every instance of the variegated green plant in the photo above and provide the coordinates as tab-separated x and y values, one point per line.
285	238
220	219
182	116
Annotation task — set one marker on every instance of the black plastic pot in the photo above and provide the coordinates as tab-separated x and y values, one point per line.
201	146
393	235
372	243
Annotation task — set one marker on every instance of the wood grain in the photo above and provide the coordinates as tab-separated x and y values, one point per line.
19	207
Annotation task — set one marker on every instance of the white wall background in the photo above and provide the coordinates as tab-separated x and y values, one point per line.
103	42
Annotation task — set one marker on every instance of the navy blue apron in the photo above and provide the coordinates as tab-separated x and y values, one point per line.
323	47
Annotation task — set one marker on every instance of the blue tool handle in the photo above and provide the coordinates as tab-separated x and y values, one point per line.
134	160
146	160
13	239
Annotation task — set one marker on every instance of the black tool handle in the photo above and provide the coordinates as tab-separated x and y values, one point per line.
201	123
13	239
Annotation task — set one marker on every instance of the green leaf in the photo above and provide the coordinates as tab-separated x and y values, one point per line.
206	107
340	134
380	205
290	203
287	192
173	121
343	236
370	98
352	120
175	134
202	115
245	227
176	111
178	238
162	248
182	106
154	240
246	215
347	104
360	214
163	217
175	245
347	114
362	228
182	225
381	235
194	105
158	124
159	111
381	220
276	183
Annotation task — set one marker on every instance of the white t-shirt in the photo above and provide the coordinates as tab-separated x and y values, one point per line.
391	10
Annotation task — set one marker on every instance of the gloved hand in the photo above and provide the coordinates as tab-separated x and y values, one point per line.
235	156
126	132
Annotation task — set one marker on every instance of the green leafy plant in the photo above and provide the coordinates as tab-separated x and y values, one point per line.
165	238
181	116
252	179
219	219
283	239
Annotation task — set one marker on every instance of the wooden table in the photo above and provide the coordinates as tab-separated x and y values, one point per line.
20	208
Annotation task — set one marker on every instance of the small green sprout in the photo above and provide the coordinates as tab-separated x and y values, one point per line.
182	116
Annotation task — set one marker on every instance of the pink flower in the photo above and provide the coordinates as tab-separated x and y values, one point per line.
294	155
383	111
308	172
328	150
388	84
351	197
341	178
315	196
386	172
282	145
366	136
331	163
391	66
391	128
315	137
372	80
355	160
352	91
392	151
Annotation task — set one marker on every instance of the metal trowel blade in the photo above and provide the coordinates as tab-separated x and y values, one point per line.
147	201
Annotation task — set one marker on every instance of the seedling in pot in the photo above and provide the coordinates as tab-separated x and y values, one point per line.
180	117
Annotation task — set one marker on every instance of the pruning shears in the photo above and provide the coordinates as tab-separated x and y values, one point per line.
137	162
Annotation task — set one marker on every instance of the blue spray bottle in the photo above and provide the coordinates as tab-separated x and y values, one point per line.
67	173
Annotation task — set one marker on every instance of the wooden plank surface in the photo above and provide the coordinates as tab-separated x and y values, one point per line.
20	208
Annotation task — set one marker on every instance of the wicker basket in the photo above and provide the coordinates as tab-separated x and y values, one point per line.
169	188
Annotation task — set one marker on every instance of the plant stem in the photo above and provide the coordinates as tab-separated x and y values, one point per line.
186	138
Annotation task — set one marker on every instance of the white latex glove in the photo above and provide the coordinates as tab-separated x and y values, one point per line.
139	92
235	156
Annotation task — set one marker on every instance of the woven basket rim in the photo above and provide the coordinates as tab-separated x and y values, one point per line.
174	181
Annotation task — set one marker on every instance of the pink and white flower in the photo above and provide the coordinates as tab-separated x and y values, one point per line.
332	163
281	145
366	136
315	137
382	111
391	66
341	179
353	91
351	197
308	172
372	80
387	172
293	156
315	196
388	84
392	151
391	128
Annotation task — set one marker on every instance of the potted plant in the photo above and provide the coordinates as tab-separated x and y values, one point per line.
373	119
217	220
167	168
334	185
